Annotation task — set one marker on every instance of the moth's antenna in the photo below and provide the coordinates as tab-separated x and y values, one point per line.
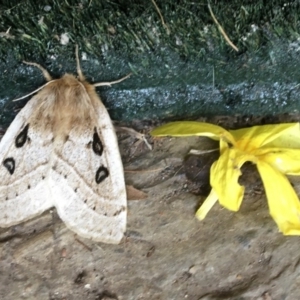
35	91
45	72
82	78
79	72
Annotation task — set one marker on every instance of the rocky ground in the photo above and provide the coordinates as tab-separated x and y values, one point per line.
166	252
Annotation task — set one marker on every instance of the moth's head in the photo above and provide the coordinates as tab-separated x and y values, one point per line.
70	86
70	79
76	81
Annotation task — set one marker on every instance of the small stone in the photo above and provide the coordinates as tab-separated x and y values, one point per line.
64	39
47	8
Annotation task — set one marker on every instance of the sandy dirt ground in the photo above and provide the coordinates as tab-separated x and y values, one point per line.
166	252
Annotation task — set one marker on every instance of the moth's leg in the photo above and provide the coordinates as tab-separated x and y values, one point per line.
140	136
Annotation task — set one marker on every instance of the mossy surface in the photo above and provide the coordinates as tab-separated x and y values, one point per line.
181	70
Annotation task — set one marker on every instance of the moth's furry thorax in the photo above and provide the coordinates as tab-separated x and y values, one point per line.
67	102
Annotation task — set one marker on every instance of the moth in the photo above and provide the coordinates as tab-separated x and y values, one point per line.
61	151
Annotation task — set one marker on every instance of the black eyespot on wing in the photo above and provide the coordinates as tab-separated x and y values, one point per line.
9	164
22	137
97	144
101	174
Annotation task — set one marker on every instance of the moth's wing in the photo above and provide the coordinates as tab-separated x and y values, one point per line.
88	182
25	151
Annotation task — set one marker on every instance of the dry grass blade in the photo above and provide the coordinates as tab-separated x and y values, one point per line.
222	30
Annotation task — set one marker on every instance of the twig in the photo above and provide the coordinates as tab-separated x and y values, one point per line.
144	171
161	17
200	152
138	135
222	30
83	244
213	78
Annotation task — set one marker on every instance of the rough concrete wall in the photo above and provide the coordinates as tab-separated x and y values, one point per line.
182	65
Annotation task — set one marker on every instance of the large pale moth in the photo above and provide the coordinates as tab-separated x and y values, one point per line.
61	151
